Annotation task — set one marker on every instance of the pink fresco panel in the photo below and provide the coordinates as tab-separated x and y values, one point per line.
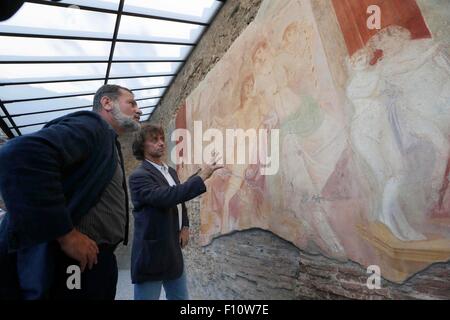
370	186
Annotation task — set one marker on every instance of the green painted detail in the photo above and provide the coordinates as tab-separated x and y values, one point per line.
307	119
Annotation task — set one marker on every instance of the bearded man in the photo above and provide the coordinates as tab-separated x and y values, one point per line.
65	193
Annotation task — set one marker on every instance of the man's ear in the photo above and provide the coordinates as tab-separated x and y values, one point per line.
106	103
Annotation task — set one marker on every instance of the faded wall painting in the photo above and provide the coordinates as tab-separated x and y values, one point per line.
363	171
352	18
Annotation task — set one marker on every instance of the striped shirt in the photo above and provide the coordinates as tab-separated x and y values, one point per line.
106	222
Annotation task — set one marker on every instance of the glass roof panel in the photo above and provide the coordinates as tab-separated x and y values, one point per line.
143	69
32	91
104	4
44	43
48	20
148	93
146	108
136	83
41	72
8	123
49	104
144	51
16	48
42	117
195	10
31	129
158	30
148	102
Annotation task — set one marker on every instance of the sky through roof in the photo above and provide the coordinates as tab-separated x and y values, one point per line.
55	55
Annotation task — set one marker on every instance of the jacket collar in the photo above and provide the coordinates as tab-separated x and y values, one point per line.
150	167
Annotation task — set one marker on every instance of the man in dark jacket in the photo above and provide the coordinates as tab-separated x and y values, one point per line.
161	224
65	193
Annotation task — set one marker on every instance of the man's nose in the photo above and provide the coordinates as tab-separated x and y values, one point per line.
138	111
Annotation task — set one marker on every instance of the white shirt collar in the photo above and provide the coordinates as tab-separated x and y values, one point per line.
163	167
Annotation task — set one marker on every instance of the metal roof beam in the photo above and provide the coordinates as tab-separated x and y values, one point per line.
31	125
87	61
48	111
84	79
40	123
190	53
148	98
60	37
102	10
72	95
114	39
6	129
57	110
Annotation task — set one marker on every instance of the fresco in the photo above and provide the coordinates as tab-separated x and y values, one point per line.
364	168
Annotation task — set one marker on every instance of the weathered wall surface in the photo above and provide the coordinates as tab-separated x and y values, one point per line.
256	264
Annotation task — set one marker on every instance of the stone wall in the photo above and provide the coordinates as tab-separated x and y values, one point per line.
256	264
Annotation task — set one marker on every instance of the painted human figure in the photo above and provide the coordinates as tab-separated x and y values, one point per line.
419	72
248	115
373	139
289	81
387	123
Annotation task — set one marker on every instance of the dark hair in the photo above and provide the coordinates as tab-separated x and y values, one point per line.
147	131
111	91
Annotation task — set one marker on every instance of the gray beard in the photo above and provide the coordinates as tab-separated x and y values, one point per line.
126	123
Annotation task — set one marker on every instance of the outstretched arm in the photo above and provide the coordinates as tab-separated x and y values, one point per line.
146	190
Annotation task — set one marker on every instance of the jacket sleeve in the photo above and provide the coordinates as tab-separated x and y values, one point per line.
31	173
147	191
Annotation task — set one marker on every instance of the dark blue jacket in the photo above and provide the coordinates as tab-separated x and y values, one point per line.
156	253
49	180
